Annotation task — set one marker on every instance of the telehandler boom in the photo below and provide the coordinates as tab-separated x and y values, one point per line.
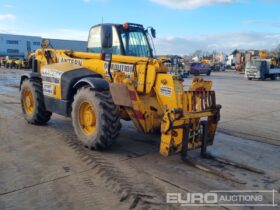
119	78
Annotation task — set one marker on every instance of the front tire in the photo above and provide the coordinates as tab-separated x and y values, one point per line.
32	102
95	118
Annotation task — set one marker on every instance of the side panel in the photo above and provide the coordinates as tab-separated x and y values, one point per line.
58	82
61	107
169	92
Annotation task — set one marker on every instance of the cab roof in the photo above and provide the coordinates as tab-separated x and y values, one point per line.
134	25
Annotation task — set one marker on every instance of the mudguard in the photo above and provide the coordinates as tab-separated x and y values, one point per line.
29	75
96	83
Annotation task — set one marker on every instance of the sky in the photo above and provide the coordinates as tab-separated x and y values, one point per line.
183	26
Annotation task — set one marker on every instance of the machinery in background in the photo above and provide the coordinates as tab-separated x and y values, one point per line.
241	60
261	69
175	65
10	63
17	63
275	59
22	64
2	62
264	65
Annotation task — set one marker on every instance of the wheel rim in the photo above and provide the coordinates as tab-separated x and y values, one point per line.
28	101
87	118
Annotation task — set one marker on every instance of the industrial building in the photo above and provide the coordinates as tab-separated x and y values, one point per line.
18	46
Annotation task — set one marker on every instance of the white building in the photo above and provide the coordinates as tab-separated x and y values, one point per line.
231	60
19	45
195	59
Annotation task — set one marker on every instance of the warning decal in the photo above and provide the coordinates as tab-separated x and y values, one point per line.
52	76
165	91
48	89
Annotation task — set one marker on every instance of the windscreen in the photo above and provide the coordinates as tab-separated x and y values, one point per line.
135	43
253	64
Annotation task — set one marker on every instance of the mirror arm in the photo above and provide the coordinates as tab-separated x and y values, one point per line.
109	70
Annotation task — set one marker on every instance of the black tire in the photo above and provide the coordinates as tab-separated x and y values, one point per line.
208	73
249	78
40	115
107	118
273	77
196	73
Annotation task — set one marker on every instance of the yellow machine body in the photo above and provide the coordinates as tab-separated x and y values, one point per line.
154	99
144	92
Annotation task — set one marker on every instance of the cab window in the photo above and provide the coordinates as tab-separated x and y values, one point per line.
135	43
116	42
94	41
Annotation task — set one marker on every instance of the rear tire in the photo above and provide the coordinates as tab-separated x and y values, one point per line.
208	73
36	114
273	77
101	128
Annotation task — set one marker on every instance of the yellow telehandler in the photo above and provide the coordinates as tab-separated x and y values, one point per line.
23	63
10	63
119	78
2	62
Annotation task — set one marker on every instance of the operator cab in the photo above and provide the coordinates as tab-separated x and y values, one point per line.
128	39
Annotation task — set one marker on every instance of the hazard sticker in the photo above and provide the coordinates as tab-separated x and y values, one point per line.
165	91
48	89
51	75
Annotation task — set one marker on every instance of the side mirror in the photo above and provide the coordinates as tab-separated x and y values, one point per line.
153	32
106	36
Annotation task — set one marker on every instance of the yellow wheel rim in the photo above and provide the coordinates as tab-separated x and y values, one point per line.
28	101
87	118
